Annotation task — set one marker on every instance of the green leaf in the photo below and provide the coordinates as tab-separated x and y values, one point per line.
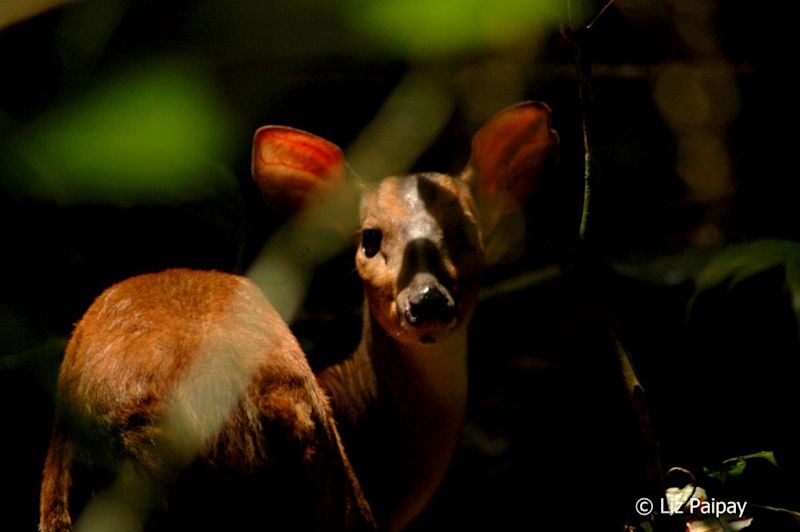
734	467
741	261
769	456
737	468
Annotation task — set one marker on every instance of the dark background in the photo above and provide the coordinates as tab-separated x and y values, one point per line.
693	139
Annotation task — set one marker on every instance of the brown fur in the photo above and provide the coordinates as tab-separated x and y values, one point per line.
189	375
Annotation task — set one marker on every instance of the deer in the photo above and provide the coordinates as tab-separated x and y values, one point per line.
184	401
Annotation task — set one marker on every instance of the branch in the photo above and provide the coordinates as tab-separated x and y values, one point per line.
634	391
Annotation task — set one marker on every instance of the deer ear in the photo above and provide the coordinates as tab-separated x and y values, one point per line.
509	155
291	166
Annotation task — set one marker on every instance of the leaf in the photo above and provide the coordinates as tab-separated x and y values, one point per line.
737	468
734	467
769	456
739	262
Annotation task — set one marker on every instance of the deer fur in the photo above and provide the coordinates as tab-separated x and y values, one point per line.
185	402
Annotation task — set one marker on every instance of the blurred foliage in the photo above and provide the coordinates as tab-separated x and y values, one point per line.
734	467
408	122
429	28
12	11
738	262
153	134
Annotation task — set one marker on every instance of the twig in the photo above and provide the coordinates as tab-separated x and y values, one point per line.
599	14
584	71
638	402
584	93
634	390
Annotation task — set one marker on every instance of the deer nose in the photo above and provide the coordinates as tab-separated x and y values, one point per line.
430	305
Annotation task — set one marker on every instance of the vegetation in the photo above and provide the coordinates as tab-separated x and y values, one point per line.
646	318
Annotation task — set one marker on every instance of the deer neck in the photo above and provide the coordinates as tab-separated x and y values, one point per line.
400	408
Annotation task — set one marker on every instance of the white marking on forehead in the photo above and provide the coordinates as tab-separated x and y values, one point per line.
421	224
411	194
422	227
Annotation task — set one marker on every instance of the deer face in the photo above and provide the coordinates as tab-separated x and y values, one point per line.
422	236
420	255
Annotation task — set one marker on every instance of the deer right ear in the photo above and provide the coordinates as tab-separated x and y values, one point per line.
509	155
291	166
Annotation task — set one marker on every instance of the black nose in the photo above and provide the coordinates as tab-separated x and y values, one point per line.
429	305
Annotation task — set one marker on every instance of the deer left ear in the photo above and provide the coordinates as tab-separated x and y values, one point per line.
509	155
291	166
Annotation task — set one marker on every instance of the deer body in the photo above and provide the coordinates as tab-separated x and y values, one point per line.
183	377
188	391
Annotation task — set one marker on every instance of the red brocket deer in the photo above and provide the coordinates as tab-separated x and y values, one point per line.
186	402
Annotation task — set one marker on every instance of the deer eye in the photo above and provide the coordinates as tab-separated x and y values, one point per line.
371	241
